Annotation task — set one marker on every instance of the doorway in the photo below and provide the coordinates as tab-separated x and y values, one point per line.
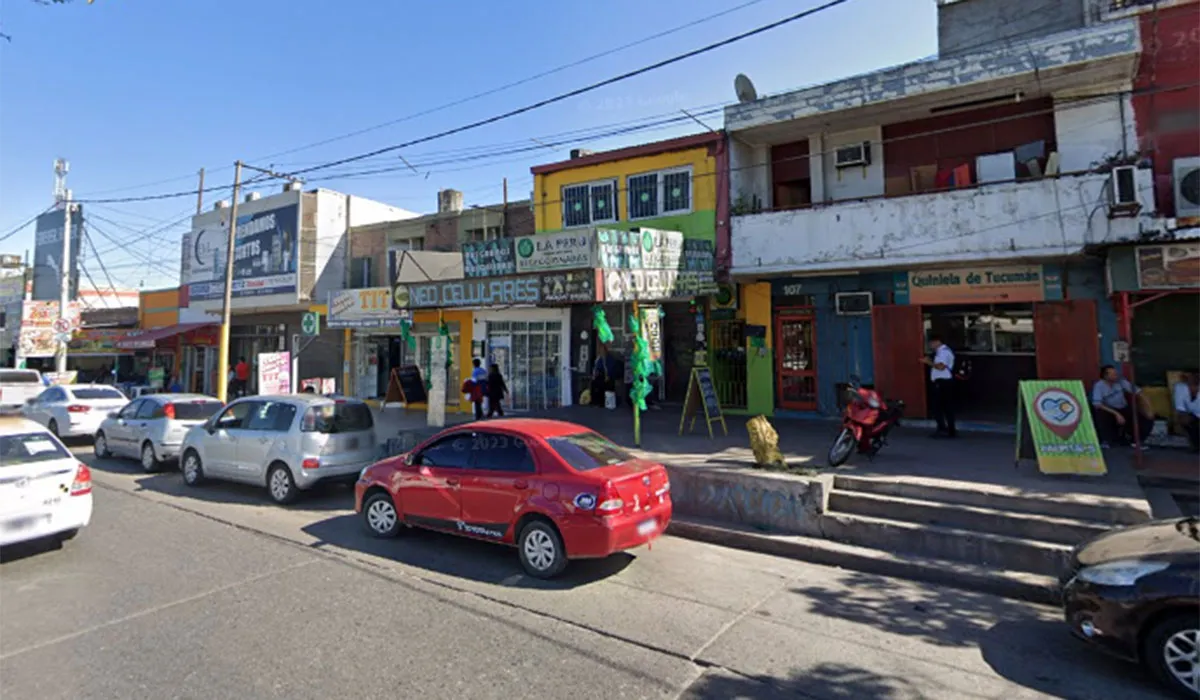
796	360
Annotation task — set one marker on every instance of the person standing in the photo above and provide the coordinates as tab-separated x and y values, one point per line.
1186	395
241	376
941	374
496	391
479	377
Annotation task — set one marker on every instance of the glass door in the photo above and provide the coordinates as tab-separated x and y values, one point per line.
796	361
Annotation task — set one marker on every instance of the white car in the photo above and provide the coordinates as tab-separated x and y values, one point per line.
17	386
44	490
71	410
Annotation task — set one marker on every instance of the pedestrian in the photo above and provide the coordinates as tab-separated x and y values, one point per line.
941	374
241	374
496	391
1112	409
599	375
479	377
1186	395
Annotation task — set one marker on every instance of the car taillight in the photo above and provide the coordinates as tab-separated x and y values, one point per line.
169	411
83	481
610	502
76	408
310	463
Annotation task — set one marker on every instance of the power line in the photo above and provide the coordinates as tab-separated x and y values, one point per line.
12	232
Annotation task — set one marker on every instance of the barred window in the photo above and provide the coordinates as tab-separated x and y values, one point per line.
589	203
643	196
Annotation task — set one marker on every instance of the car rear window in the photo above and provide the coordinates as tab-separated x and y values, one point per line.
585	451
97	392
19	377
337	418
196	410
27	448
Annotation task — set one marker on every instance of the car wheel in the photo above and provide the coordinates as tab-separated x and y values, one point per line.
100	446
541	550
192	469
379	516
150	463
1172	653
281	485
54	428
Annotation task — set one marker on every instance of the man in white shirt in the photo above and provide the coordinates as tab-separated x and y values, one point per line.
1186	400
1114	414
941	373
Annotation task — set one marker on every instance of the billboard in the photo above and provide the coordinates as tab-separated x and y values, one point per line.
264	256
47	253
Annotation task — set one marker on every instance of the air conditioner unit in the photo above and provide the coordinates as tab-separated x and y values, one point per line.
1186	182
858	154
852	303
1122	187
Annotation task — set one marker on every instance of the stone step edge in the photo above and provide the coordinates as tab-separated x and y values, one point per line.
979	510
1018	585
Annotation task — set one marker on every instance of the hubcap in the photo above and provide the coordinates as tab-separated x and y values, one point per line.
190	469
1181	652
147	457
101	446
381	516
279	484
539	550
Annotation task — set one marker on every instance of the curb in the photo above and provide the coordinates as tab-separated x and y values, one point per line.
1007	584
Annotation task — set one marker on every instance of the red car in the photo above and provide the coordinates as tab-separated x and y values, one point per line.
555	490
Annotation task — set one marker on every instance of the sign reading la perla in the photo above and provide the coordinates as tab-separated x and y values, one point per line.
565	250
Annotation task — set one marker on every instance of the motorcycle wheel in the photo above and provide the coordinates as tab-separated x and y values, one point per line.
841	448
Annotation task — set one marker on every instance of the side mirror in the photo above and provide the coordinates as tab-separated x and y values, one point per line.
30	402
409	459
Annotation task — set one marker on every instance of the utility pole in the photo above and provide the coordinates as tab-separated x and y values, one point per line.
226	315
64	293
200	195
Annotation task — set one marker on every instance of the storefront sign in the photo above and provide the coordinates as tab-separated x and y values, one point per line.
651	328
1060	427
264	259
363	308
96	341
655	285
982	284
662	250
274	373
1169	266
555	251
568	287
699	255
37	336
503	291
618	250
492	258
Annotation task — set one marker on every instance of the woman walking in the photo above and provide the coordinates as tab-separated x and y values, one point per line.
496	391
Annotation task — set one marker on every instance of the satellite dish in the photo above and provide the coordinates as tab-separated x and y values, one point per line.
744	88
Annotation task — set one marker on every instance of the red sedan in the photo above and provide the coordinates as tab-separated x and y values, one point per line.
555	490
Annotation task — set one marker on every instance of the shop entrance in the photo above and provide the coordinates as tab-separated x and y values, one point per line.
796	359
200	369
529	354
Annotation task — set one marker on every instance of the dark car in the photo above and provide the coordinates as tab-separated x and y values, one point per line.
1135	592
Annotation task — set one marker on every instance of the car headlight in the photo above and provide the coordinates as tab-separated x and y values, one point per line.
363	474
1120	573
873	402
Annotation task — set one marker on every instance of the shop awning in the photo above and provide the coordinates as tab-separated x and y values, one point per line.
144	340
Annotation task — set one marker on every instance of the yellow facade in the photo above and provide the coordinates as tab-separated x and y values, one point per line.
547	188
158	309
466	327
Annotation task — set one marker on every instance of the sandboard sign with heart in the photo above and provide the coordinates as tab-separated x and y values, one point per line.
1058	411
1055	426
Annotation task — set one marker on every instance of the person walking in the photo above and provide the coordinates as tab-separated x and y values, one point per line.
941	374
496	391
479	377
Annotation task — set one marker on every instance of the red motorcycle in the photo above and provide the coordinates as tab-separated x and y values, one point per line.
866	421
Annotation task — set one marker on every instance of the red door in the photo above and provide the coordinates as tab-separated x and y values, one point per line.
499	482
796	360
1066	337
898	335
429	488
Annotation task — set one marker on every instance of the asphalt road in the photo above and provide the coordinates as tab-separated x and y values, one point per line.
214	593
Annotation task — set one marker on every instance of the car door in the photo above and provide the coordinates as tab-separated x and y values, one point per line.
222	442
120	435
269	423
42	408
142	424
497	484
429	487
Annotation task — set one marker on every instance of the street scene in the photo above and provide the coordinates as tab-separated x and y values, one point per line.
673	351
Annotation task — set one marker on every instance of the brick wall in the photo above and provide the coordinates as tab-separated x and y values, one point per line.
372	243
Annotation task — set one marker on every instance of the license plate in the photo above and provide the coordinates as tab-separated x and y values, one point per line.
647	527
23	523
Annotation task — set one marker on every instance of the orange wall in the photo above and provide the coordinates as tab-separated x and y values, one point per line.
158	309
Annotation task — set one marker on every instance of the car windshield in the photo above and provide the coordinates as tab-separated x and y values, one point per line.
196	410
19	377
27	448
97	392
337	418
585	451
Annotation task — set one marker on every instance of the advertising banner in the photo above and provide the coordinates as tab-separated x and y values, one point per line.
662	250
565	250
1170	266
47	253
96	341
363	308
275	373
41	327
656	285
981	284
492	258
502	291
569	287
264	258
1057	415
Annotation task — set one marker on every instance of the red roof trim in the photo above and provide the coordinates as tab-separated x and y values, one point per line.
646	149
145	340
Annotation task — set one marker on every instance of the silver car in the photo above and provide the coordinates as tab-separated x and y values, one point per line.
151	429
287	443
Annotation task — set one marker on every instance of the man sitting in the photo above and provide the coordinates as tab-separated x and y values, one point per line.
1114	415
1186	400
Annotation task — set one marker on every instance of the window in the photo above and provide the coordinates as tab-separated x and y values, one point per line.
131	410
97	393
196	410
660	193
272	416
477	235
451	452
589	203
20	376
54	395
409	244
360	272
585	451
337	418
237	415
500	453
26	448
148	410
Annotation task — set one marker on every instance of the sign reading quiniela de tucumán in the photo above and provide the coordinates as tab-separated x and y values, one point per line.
979	284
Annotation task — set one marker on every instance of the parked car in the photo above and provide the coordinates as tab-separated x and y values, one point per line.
152	428
17	387
72	410
44	490
1135	592
288	443
555	490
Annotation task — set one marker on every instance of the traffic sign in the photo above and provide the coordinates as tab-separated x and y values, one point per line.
310	323
62	325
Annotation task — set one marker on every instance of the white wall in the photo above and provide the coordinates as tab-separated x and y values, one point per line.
749	173
1089	129
563	315
1058	216
855	182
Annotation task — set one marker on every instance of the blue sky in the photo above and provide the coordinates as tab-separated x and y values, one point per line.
140	94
